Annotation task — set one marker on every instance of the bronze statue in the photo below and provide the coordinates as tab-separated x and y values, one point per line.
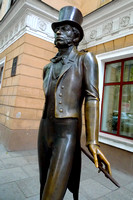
69	78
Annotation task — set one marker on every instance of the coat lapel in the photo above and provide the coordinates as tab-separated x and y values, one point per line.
70	61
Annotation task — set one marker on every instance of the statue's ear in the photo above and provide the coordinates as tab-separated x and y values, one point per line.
76	40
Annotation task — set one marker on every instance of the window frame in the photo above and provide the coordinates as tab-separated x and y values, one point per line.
107	139
121	84
2	64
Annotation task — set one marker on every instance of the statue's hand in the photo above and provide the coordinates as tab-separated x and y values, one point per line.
99	158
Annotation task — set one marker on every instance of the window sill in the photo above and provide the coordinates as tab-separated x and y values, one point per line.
118	142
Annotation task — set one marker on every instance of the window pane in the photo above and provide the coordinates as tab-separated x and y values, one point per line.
126	125
113	72
1	73
128	71
110	109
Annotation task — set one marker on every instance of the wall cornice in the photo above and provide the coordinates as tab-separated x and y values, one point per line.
27	16
108	23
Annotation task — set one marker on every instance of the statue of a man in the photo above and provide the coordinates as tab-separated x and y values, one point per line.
69	78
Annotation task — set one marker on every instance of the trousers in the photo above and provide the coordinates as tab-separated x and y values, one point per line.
57	140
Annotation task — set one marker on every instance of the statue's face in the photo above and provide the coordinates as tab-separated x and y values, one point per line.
64	36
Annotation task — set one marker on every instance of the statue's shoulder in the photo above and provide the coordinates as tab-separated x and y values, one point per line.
86	54
46	68
89	57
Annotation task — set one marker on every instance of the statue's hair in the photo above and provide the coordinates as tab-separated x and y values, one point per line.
77	35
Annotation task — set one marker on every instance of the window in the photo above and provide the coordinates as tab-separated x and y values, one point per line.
2	62
14	66
117	103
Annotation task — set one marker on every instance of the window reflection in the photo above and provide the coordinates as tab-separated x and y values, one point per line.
126	125
128	71
113	72
110	109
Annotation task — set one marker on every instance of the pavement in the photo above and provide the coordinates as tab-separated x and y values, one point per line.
19	179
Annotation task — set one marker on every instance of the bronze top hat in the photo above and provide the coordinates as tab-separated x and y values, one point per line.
72	16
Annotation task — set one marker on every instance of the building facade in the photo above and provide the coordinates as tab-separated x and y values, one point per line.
26	46
109	35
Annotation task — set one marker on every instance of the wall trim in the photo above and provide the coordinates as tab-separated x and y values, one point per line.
27	16
115	20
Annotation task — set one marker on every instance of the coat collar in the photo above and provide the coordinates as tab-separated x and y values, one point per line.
59	57
68	64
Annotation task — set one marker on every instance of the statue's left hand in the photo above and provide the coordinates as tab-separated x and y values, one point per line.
99	158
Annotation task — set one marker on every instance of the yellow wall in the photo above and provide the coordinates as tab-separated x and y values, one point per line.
112	45
86	6
21	96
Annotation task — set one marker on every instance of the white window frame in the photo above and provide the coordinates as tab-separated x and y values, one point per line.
2	64
122	143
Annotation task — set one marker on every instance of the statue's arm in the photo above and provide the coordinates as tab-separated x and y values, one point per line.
91	98
92	110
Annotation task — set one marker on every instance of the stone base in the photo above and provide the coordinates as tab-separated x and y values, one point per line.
119	159
16	140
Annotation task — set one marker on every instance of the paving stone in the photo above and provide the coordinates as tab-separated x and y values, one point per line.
31	159
31	170
122	178
14	162
120	194
105	181
84	196
1	165
33	152
2	148
86	162
37	197
69	196
22	182
10	191
103	198
129	186
9	175
93	189
87	173
19	153
29	186
4	154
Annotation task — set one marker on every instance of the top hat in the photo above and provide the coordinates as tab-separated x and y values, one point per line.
72	16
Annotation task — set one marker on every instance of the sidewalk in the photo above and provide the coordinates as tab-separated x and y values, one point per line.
19	179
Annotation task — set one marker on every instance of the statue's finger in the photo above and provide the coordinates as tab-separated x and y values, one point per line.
95	160
108	168
105	161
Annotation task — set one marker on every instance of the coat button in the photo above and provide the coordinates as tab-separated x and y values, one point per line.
60	94
61	110
60	102
62	86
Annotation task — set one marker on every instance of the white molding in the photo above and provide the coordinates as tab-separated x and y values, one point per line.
2	60
118	142
27	16
115	20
